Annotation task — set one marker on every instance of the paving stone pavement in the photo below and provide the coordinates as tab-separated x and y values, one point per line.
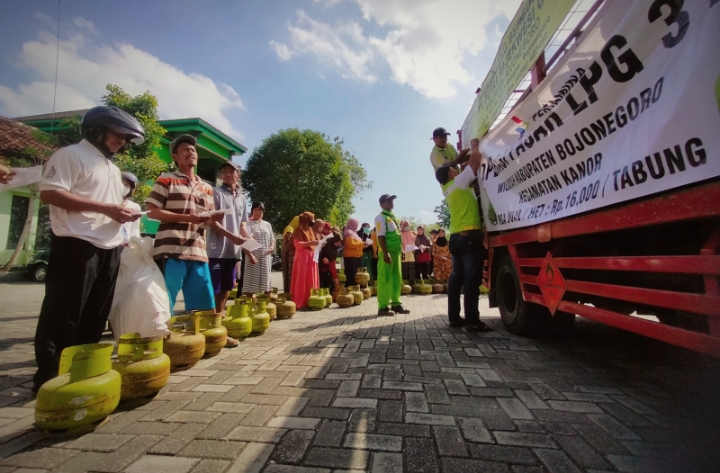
345	390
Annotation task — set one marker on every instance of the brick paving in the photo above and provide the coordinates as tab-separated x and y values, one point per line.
345	390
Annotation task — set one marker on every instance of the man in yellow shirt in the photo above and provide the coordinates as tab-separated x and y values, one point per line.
466	241
444	153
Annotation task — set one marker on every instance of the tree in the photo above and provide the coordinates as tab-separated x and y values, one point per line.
29	156
293	171
443	213
142	160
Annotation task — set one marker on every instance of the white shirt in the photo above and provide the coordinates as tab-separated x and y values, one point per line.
84	171
384	224
131	229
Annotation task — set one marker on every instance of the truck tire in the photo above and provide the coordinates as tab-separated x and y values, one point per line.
518	316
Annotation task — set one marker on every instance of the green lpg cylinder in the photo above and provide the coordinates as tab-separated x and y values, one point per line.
357	295
186	345
214	332
270	307
424	288
316	301
285	306
83	394
325	292
237	322
260	318
143	367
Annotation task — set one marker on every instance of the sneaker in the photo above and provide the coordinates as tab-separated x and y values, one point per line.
386	311
480	327
457	323
400	310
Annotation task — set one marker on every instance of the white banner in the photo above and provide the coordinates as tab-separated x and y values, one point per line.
632	109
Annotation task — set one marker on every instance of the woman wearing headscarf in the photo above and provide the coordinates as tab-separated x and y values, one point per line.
305	269
328	258
367	254
422	254
442	266
408	238
352	252
288	252
257	277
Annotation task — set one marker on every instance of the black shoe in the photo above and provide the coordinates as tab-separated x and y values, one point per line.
386	311
479	327
398	309
457	323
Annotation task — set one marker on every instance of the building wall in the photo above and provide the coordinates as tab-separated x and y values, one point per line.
5	208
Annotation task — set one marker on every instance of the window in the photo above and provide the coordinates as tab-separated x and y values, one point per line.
44	233
18	214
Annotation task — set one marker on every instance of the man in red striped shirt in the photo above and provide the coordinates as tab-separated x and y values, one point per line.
183	204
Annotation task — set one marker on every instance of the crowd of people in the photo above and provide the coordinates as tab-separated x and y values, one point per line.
203	230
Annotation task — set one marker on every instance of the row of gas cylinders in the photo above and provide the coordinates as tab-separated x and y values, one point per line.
90	385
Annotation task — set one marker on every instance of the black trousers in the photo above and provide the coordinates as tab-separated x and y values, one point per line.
351	267
422	270
79	291
468	254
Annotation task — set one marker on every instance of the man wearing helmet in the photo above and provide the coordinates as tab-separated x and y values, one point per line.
85	192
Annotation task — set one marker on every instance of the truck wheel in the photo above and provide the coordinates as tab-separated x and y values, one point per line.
518	317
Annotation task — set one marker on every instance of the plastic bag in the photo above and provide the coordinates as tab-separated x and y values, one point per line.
141	304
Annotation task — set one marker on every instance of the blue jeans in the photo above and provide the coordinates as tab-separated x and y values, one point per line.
468	254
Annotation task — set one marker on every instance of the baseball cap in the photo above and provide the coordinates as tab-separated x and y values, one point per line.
440	131
385	197
231	164
189	139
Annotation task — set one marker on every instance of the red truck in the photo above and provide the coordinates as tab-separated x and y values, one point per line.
648	264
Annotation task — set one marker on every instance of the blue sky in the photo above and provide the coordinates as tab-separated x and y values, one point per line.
381	74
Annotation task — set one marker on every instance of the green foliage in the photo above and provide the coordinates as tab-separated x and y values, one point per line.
443	213
68	131
141	160
297	170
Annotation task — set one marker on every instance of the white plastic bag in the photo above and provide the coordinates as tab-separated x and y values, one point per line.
141	303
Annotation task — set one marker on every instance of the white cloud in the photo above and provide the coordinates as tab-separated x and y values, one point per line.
281	50
425	44
82	23
85	69
345	46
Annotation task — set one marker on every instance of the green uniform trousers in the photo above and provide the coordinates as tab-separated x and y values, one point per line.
389	280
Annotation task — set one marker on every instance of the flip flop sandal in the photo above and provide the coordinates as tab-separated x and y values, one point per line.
231	343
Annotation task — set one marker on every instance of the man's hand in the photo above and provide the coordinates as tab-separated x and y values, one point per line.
194	218
237	240
387	258
120	213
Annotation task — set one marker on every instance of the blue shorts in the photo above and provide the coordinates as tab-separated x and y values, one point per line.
193	278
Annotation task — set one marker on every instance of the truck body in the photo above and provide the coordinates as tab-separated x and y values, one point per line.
648	261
